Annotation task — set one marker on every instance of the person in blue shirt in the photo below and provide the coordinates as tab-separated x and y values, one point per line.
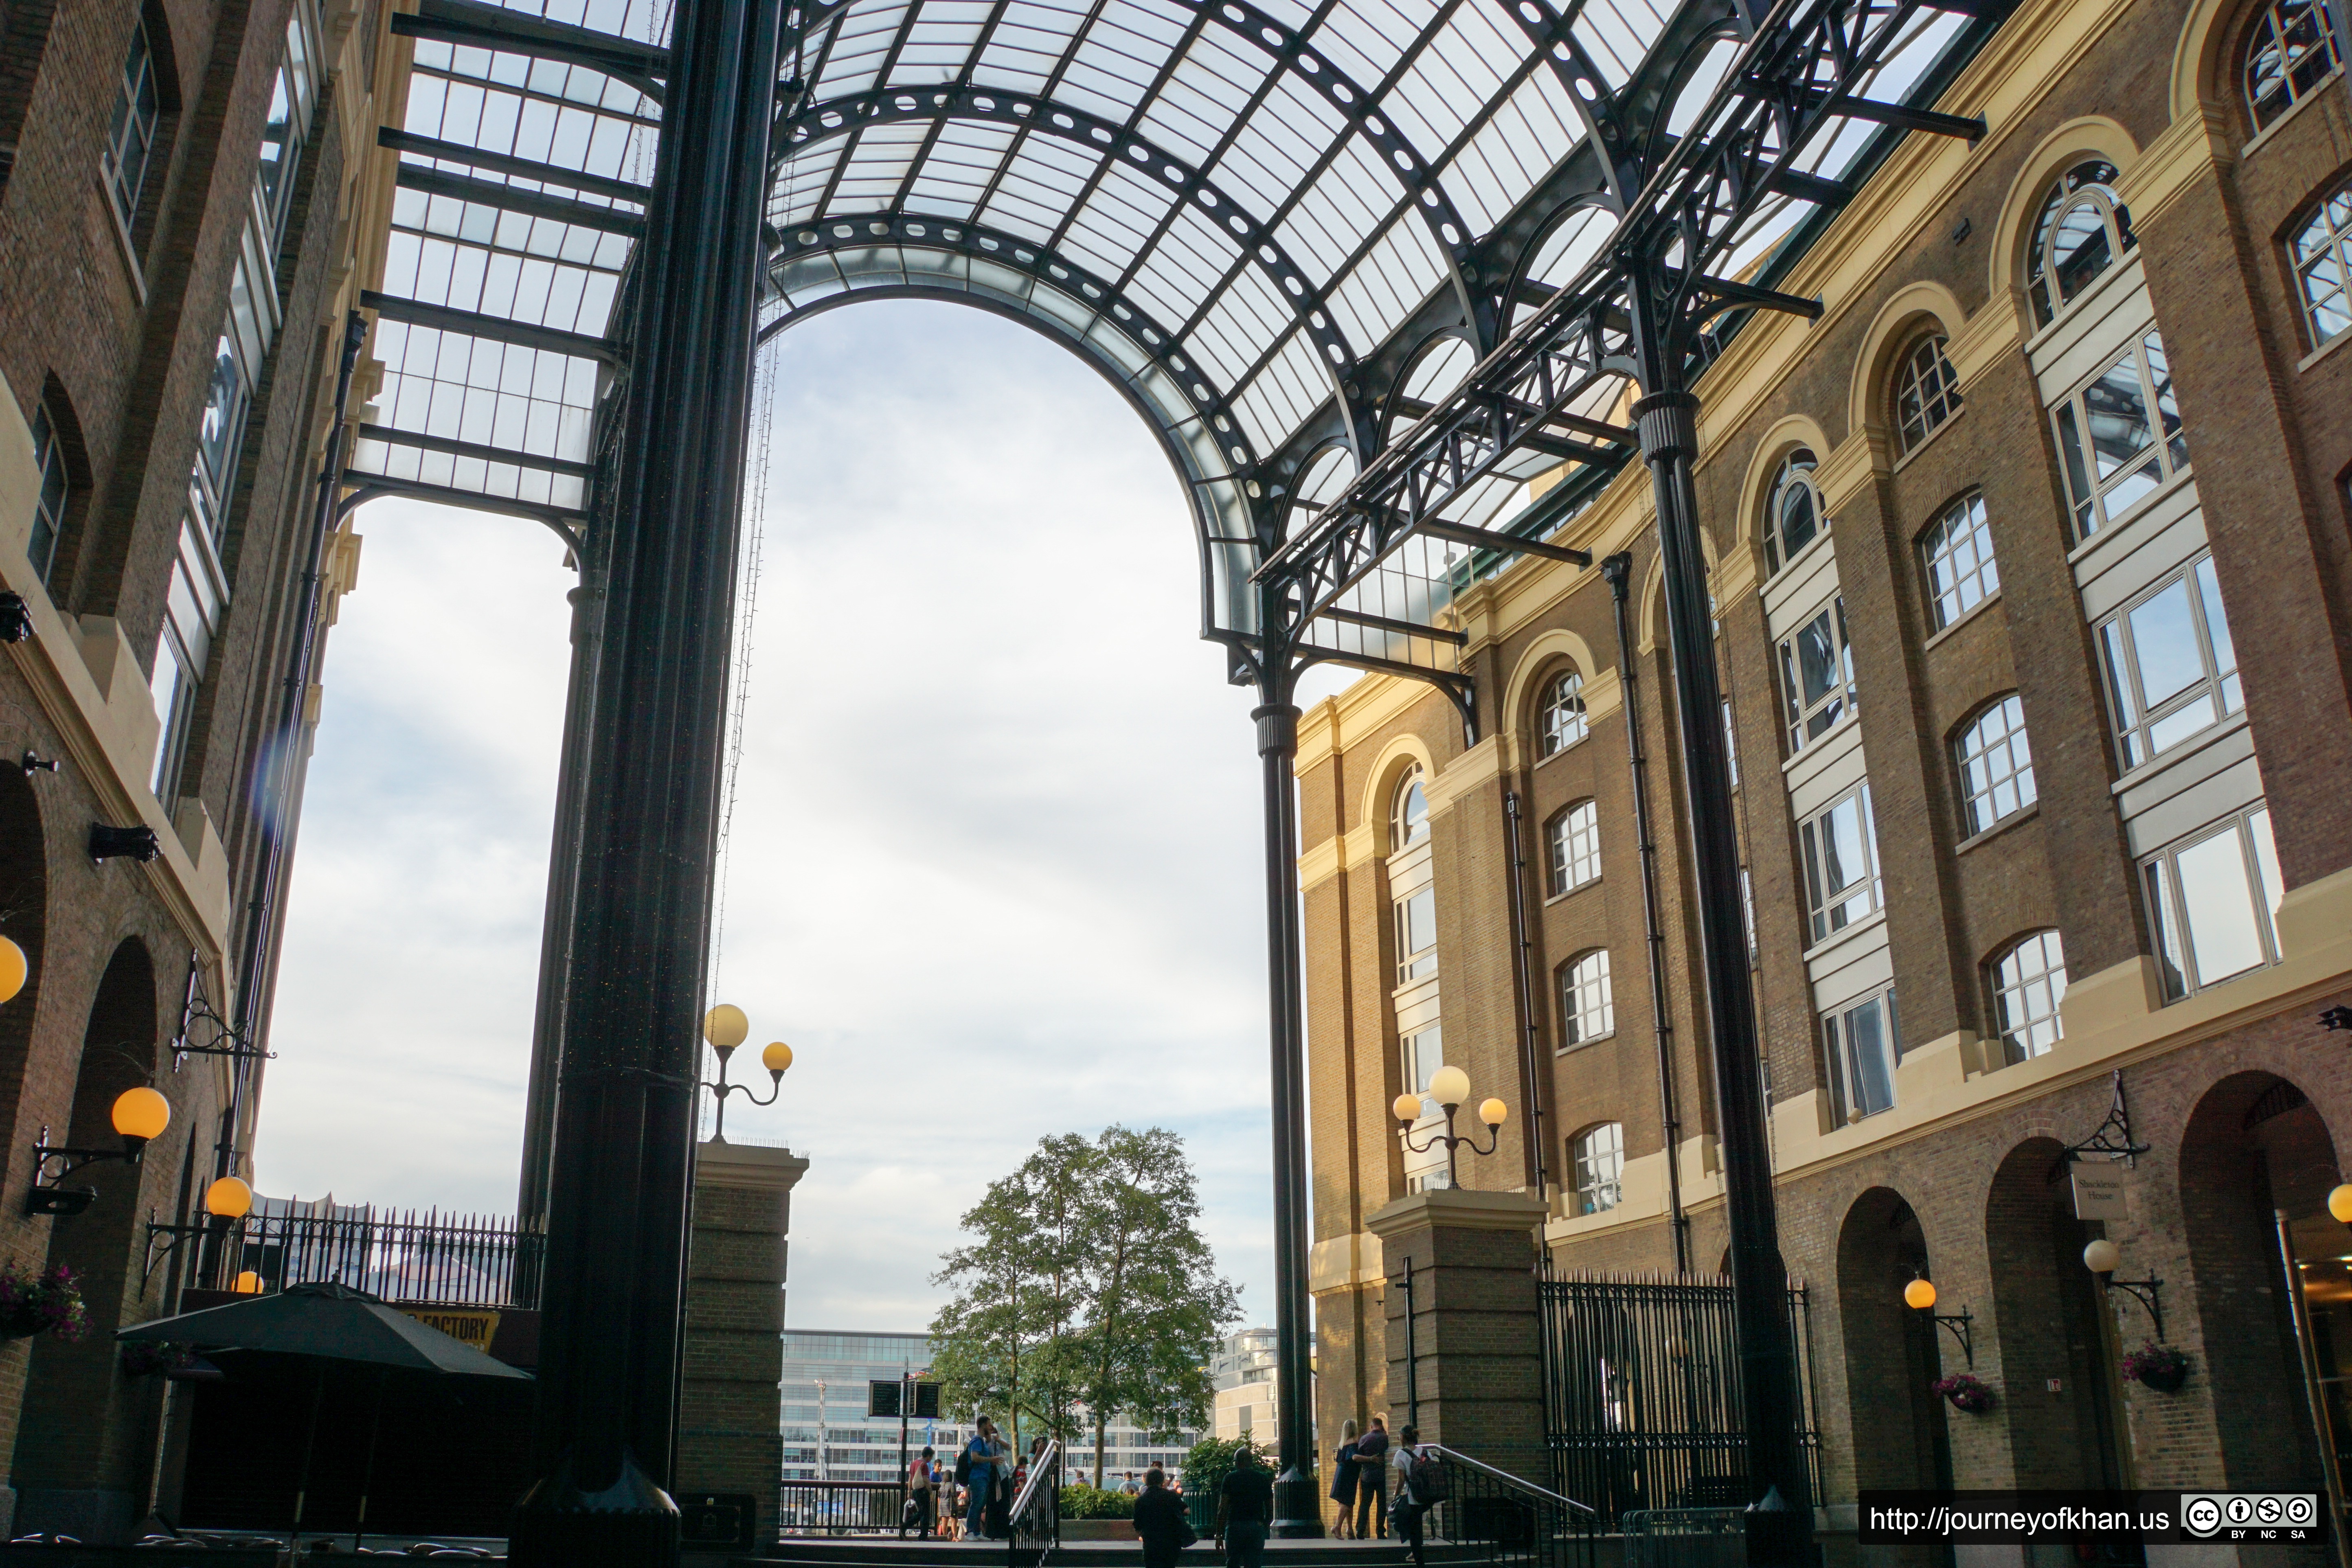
986	1452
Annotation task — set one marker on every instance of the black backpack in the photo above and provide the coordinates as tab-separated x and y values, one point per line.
963	1465
1425	1479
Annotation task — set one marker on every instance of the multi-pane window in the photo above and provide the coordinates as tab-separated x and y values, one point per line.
2120	436
2320	269
1596	1160
244	342
1587	1011
1817	674
2290	50
1730	743
192	613
1840	850
289	117
1416	936
1563	714
1996	764
2171	668
2213	898
1792	515
2079	233
1424	1053
131	137
1574	856
2029	981
1957	549
1926	391
1409	818
1859	1041
50	496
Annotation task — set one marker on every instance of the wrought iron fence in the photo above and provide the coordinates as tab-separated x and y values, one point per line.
1642	1397
1505	1519
840	1508
1686	1537
457	1260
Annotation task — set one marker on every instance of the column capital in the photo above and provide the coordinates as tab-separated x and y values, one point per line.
1457	1208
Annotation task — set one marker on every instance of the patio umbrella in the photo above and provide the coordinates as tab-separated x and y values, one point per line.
327	1321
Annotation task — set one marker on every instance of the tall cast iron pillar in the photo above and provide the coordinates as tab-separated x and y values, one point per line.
622	1172
1298	1505
1780	1513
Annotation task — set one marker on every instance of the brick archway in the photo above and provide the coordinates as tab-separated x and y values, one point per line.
1891	1353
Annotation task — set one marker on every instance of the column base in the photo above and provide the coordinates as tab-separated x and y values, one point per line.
1297	1508
631	1523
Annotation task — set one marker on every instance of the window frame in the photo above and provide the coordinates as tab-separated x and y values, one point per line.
2017	750
1415	964
1571	843
2088	492
2270	19
1964	522
2332	215
1408	828
2132	725
1825	918
2087	181
1591	1191
2028	1032
1936	384
52	491
1561	719
1588	999
2170	907
1838	1049
1796	470
138	116
1805	723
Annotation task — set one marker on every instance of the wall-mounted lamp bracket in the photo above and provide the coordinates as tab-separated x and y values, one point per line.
1960	1326
162	1240
203	1032
108	842
16	618
2148	1293
49	1194
2111	1139
2337	1018
34	762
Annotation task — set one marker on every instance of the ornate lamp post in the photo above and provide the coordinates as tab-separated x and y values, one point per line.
726	1027
1450	1086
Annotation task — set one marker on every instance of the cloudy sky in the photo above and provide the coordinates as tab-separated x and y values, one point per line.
994	868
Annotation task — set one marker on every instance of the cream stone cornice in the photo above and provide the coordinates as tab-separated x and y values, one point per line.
2188	149
1981	343
1850	466
1480	765
1342	722
1319	864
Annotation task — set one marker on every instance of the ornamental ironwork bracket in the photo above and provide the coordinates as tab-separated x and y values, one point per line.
2113	1138
2148	1293
1960	1325
202	1031
49	1194
173	1237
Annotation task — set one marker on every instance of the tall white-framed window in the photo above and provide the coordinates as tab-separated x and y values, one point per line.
2119	437
1956	549
1996	764
1416	936
131	136
293	93
1596	1163
1423	1053
1587	1009
1840	851
1926	391
2213	898
2080	231
1793	513
1561	720
2171	666
2290	49
192	611
2321	271
1730	743
1817	675
52	493
1573	848
2029	981
1858	1039
1409	815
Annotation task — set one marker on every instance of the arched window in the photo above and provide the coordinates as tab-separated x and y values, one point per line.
1574	856
1596	1158
2079	233
1792	515
2029	981
1926	391
1957	551
1996	765
1563	719
2289	50
1409	818
130	139
2320	267
1587	1012
53	490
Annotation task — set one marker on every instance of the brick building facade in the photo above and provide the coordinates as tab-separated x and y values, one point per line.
2031	562
190	201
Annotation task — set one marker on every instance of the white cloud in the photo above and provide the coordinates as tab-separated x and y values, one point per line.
995	869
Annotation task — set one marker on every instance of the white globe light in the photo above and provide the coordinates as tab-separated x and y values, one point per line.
2102	1257
726	1027
1449	1086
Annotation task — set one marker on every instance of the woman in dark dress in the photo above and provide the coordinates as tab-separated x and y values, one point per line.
1160	1521
1343	1481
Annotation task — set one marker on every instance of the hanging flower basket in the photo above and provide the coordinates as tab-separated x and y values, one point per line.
34	1303
1966	1393
2157	1366
144	1358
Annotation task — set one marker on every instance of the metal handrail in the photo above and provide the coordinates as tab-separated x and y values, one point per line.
1044	1471
1508	1479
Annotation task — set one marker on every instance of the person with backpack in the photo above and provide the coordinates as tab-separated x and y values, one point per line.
976	1467
1417	1479
917	1515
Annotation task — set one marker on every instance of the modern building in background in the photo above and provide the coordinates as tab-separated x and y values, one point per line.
1242	1372
2029	557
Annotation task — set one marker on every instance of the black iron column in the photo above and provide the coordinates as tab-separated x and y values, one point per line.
622	1170
1298	1502
1780	1520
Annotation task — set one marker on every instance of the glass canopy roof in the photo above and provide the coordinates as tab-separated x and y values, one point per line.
1286	232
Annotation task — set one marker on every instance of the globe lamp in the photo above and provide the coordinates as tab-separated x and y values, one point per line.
1919	1295
14	967
726	1027
248	1283
2339	1202
2102	1257
1492	1111
1407	1107
1449	1086
228	1198
776	1058
140	1114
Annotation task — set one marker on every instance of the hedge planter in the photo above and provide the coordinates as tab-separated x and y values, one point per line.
2156	1366
1965	1393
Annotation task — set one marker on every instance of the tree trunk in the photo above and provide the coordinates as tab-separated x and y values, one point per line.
1099	1419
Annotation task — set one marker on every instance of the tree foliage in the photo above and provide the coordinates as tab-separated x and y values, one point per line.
1087	1289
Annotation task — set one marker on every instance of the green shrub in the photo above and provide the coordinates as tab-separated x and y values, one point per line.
1083	1501
1210	1460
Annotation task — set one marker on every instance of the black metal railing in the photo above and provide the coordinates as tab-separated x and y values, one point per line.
459	1260
840	1508
1506	1519
1642	1395
1035	1526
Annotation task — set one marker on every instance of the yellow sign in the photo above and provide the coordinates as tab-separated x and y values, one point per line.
467	1325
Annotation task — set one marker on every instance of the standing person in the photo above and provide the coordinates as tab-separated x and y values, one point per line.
981	1455
1160	1521
1343	1481
1127	1487
1410	1506
1372	1481
918	1496
1244	1509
